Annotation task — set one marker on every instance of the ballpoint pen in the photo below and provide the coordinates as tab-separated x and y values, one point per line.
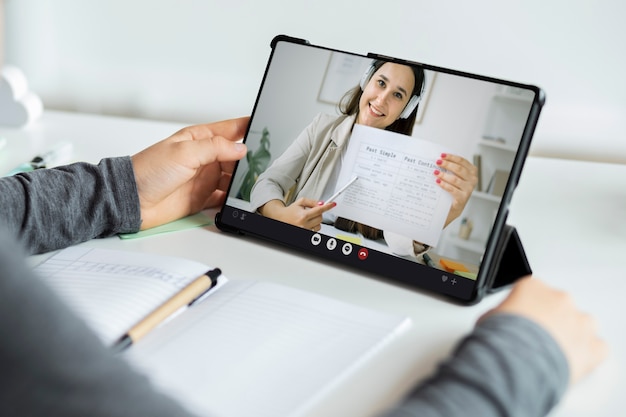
57	155
344	188
185	297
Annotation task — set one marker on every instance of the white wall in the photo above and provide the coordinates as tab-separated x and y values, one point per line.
203	60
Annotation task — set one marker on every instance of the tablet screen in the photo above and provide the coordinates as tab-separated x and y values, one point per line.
400	169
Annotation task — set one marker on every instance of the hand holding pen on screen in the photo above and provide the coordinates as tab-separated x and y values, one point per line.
304	212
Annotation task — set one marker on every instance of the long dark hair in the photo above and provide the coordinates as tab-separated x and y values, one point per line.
349	103
348	106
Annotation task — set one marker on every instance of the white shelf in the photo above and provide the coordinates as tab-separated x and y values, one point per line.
497	145
505	116
486	196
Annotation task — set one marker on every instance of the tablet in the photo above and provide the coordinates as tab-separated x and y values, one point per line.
399	169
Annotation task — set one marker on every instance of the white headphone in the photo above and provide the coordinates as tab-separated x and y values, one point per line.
413	101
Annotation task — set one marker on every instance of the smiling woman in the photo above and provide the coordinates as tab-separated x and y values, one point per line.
386	97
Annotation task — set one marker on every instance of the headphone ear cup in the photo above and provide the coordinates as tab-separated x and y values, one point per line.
366	76
410	106
413	102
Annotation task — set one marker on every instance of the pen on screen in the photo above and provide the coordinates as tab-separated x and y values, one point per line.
59	154
185	297
428	260
341	190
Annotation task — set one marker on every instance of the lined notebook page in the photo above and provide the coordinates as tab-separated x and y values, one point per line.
258	349
113	290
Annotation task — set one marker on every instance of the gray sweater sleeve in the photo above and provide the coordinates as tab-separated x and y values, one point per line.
54	208
508	366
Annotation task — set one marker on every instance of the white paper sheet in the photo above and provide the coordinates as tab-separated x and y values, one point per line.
258	349
396	190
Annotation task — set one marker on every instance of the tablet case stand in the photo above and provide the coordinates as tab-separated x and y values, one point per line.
510	262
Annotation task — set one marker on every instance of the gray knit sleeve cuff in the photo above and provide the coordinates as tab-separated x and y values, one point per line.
118	173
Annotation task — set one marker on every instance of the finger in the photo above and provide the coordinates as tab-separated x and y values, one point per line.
216	199
307	203
454	182
232	129
459	189
209	180
312	216
458	160
216	148
213	186
324	207
458	165
448	182
224	182
314	222
317	208
228	167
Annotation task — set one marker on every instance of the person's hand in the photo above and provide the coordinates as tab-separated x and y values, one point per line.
187	172
303	212
574	331
459	180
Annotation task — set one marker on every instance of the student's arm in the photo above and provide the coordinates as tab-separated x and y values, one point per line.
508	366
519	359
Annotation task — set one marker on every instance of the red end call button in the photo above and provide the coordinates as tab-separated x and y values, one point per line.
363	253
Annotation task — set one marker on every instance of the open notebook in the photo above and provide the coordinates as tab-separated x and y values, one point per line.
249	348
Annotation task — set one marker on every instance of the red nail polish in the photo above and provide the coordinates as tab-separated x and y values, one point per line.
438	180
320	203
443	155
334	204
437	172
439	161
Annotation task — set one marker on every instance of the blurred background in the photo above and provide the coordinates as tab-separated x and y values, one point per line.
194	61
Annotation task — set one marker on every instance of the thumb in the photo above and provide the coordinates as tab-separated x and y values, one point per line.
218	141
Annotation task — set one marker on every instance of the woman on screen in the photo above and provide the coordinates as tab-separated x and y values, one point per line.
295	185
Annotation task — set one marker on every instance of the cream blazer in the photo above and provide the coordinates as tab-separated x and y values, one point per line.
305	167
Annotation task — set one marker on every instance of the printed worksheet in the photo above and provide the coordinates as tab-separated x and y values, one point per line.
396	189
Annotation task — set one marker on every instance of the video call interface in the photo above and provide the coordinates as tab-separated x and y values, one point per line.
390	167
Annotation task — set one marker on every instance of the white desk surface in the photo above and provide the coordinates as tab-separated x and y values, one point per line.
570	215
